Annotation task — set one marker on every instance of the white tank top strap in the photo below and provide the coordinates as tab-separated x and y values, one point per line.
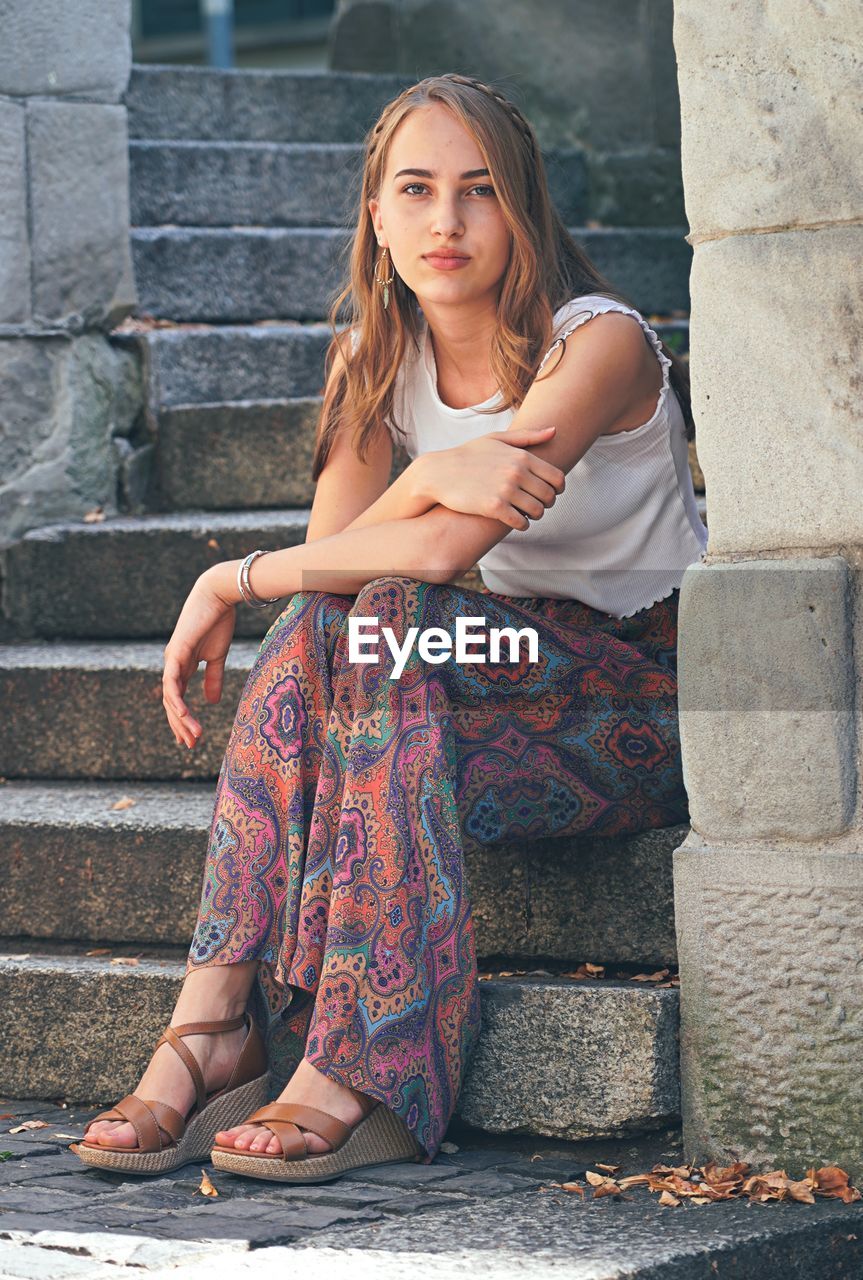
578	311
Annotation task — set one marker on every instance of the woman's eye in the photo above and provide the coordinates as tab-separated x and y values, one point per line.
480	187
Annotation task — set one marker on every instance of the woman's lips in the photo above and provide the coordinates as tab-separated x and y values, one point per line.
447	264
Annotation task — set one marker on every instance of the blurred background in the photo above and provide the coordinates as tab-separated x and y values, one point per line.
265	33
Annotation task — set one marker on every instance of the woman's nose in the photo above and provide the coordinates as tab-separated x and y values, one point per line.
447	220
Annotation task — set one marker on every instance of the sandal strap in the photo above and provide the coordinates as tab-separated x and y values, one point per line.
169	1036
328	1127
168	1118
174	1037
204	1028
113	1114
142	1120
291	1139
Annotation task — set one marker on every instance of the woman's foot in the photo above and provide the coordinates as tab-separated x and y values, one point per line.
311	1088
208	995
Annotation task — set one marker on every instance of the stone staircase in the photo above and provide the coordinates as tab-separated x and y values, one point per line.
240	184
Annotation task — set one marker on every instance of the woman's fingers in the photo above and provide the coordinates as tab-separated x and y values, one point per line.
538	488
521	436
213	677
185	728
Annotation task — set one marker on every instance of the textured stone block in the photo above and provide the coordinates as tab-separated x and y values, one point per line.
87	1028
14	242
549	1058
138	571
766	692
784	148
776	388
102	705
79	198
61	400
53	47
249	105
771	1037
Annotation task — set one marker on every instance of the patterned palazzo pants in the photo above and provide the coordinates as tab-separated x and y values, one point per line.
344	800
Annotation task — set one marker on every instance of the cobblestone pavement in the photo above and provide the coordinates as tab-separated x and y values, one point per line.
486	1201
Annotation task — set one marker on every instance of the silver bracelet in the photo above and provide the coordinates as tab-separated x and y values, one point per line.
244	586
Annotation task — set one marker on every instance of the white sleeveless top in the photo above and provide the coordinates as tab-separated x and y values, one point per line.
626	526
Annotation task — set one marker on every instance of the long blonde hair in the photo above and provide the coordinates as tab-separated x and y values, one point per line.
546	269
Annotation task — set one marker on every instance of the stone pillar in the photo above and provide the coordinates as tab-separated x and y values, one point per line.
769	884
66	395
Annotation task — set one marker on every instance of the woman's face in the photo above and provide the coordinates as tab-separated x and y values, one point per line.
418	214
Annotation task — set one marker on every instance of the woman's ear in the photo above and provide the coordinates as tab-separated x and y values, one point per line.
375	211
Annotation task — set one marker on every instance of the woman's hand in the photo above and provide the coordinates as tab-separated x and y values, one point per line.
203	633
495	475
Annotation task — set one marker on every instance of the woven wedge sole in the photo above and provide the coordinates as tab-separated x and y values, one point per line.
380	1138
196	1143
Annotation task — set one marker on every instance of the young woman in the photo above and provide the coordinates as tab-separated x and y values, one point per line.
334	887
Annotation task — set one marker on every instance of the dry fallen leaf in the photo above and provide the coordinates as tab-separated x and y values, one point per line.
65	1135
125	802
125	960
30	1124
711	1182
206	1188
98	951
94	516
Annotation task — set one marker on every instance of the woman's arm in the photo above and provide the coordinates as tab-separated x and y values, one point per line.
593	384
341	563
405	499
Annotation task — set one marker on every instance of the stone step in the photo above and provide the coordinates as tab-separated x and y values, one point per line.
603	1055
281	184
214	366
85	710
133	875
79	580
227	275
243	105
128	576
209	456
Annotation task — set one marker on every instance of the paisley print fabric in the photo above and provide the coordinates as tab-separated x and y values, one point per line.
345	800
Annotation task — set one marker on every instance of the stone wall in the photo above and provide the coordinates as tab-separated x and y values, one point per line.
769	885
67	397
596	80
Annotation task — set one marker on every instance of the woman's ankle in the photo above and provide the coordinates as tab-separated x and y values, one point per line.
214	994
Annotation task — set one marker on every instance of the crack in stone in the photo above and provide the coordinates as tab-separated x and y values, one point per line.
701	237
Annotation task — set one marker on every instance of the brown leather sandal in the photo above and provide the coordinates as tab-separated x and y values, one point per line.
191	1135
379	1138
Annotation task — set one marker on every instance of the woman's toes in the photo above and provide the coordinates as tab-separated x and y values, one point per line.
316	1143
114	1134
244	1136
